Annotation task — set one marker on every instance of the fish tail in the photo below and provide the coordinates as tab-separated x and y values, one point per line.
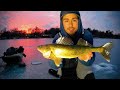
106	51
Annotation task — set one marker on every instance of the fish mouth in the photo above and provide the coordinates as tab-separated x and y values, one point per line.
39	48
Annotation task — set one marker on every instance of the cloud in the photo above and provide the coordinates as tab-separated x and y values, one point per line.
101	20
3	19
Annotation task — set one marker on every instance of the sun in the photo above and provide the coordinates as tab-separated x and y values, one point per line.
25	28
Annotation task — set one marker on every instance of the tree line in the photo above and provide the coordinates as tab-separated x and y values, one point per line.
50	33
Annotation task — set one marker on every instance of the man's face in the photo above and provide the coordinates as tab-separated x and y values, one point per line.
70	23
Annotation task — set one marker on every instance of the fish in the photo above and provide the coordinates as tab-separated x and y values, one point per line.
56	52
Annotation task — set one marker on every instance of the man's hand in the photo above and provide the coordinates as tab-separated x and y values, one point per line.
86	56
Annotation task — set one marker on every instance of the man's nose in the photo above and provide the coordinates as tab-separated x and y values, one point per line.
70	24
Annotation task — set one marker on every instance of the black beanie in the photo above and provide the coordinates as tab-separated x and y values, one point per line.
66	12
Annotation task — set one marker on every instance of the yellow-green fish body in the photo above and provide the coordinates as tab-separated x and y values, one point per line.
58	51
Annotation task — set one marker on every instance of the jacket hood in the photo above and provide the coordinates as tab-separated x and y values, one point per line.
80	30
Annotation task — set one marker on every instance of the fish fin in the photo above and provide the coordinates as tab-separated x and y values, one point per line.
56	60
106	51
83	42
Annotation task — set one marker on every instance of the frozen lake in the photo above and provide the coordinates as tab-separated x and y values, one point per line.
102	68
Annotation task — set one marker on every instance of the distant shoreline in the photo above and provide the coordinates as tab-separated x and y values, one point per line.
51	37
37	33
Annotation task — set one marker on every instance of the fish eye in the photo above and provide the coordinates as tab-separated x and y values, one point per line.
39	46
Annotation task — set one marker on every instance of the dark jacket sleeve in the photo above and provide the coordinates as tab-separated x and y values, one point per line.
88	37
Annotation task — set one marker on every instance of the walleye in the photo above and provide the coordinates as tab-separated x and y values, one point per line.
56	52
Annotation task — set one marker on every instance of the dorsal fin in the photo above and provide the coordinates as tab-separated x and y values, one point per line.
83	42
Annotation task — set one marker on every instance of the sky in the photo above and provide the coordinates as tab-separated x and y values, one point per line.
100	20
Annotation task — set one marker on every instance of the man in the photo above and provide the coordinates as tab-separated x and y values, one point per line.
71	31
